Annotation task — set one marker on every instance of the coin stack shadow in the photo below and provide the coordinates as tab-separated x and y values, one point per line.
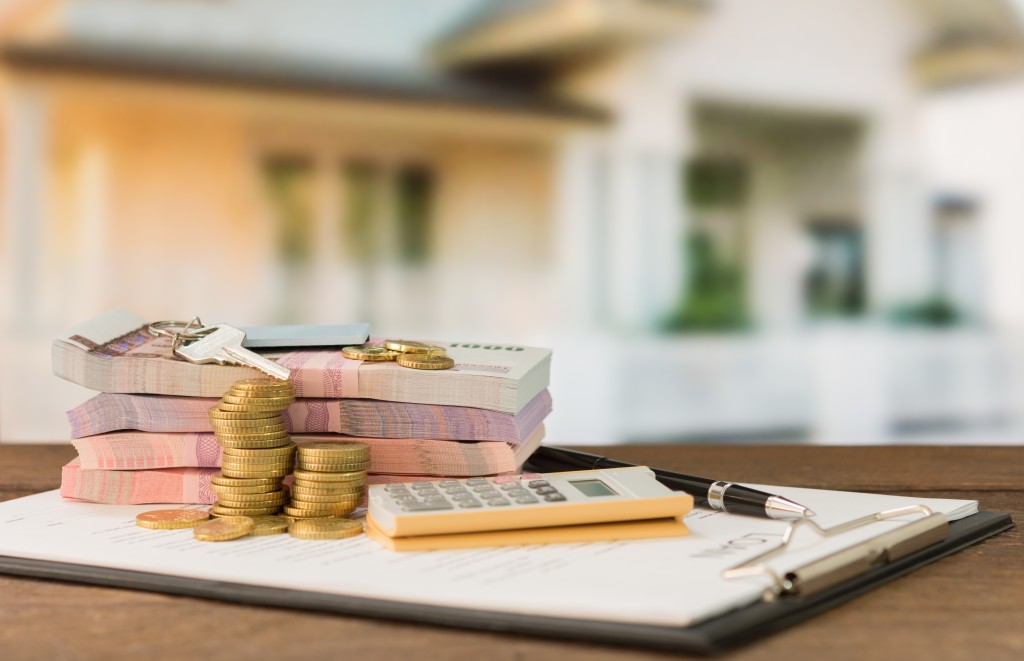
329	479
257	452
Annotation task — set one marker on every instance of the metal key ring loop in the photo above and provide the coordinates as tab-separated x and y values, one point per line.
179	331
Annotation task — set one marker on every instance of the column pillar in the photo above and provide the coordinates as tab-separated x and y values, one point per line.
24	205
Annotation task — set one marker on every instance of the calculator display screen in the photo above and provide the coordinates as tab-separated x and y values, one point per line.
591	488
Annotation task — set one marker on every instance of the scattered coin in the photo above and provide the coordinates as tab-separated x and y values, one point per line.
224	528
412	346
372	354
425	362
325	529
270	524
171	519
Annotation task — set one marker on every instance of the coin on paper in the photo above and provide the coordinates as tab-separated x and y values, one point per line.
171	519
419	361
372	354
224	528
412	346
270	524
325	528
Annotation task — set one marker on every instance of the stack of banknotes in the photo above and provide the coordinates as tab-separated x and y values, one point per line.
147	438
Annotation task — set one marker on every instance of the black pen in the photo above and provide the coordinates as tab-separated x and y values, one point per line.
716	494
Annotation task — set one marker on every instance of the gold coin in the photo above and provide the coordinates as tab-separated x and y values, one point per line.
372	354
325	529
257	459
254	445
350	450
281	451
312	476
299	513
250	507
250	408
428	362
229	491
280	402
216	413
269	524
343	488
259	396
332	467
224	529
308	515
333	508
242	472
412	346
171	519
235	498
263	383
228	481
251	427
222	511
246	435
308	501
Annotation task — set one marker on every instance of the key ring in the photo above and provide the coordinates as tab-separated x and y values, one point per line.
185	334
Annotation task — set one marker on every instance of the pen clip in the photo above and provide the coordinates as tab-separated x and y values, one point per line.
847	563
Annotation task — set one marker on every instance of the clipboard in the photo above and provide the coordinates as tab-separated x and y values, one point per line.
827	585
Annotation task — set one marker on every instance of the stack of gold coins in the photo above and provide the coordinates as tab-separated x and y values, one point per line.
330	479
257	451
407	353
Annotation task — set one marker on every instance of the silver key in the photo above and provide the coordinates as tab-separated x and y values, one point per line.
223	345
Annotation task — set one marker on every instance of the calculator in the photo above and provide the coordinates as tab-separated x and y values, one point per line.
531	508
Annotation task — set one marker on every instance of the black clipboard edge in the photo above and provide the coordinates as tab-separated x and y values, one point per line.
710	637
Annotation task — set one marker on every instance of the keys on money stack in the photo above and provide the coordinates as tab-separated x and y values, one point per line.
329	479
257	452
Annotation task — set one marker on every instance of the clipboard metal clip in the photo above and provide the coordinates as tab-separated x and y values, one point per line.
825	572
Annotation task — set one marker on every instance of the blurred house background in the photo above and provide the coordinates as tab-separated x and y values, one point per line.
785	220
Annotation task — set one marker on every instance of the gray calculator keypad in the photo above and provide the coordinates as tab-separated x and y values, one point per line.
471	493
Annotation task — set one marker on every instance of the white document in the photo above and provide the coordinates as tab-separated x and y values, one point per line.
674	582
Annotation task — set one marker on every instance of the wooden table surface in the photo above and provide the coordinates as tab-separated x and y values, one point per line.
967	606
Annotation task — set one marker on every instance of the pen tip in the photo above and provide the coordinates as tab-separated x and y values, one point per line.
808	513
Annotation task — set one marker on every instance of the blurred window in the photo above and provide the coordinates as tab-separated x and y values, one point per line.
715	296
835	281
415	201
289	181
360	236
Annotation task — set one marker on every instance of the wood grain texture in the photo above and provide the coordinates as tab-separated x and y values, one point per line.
968	606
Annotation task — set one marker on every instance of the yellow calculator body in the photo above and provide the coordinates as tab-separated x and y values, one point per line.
533	508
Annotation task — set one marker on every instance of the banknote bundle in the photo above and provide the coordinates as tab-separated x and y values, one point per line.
147	437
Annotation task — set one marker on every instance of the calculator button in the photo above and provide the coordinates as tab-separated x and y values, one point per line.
425	486
422	483
482	487
554	497
503	479
435	497
509	486
526	500
545	490
392	488
449	483
515	493
454	492
462	496
473	481
489	495
426	507
538	483
404	498
470	503
497	502
531	476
